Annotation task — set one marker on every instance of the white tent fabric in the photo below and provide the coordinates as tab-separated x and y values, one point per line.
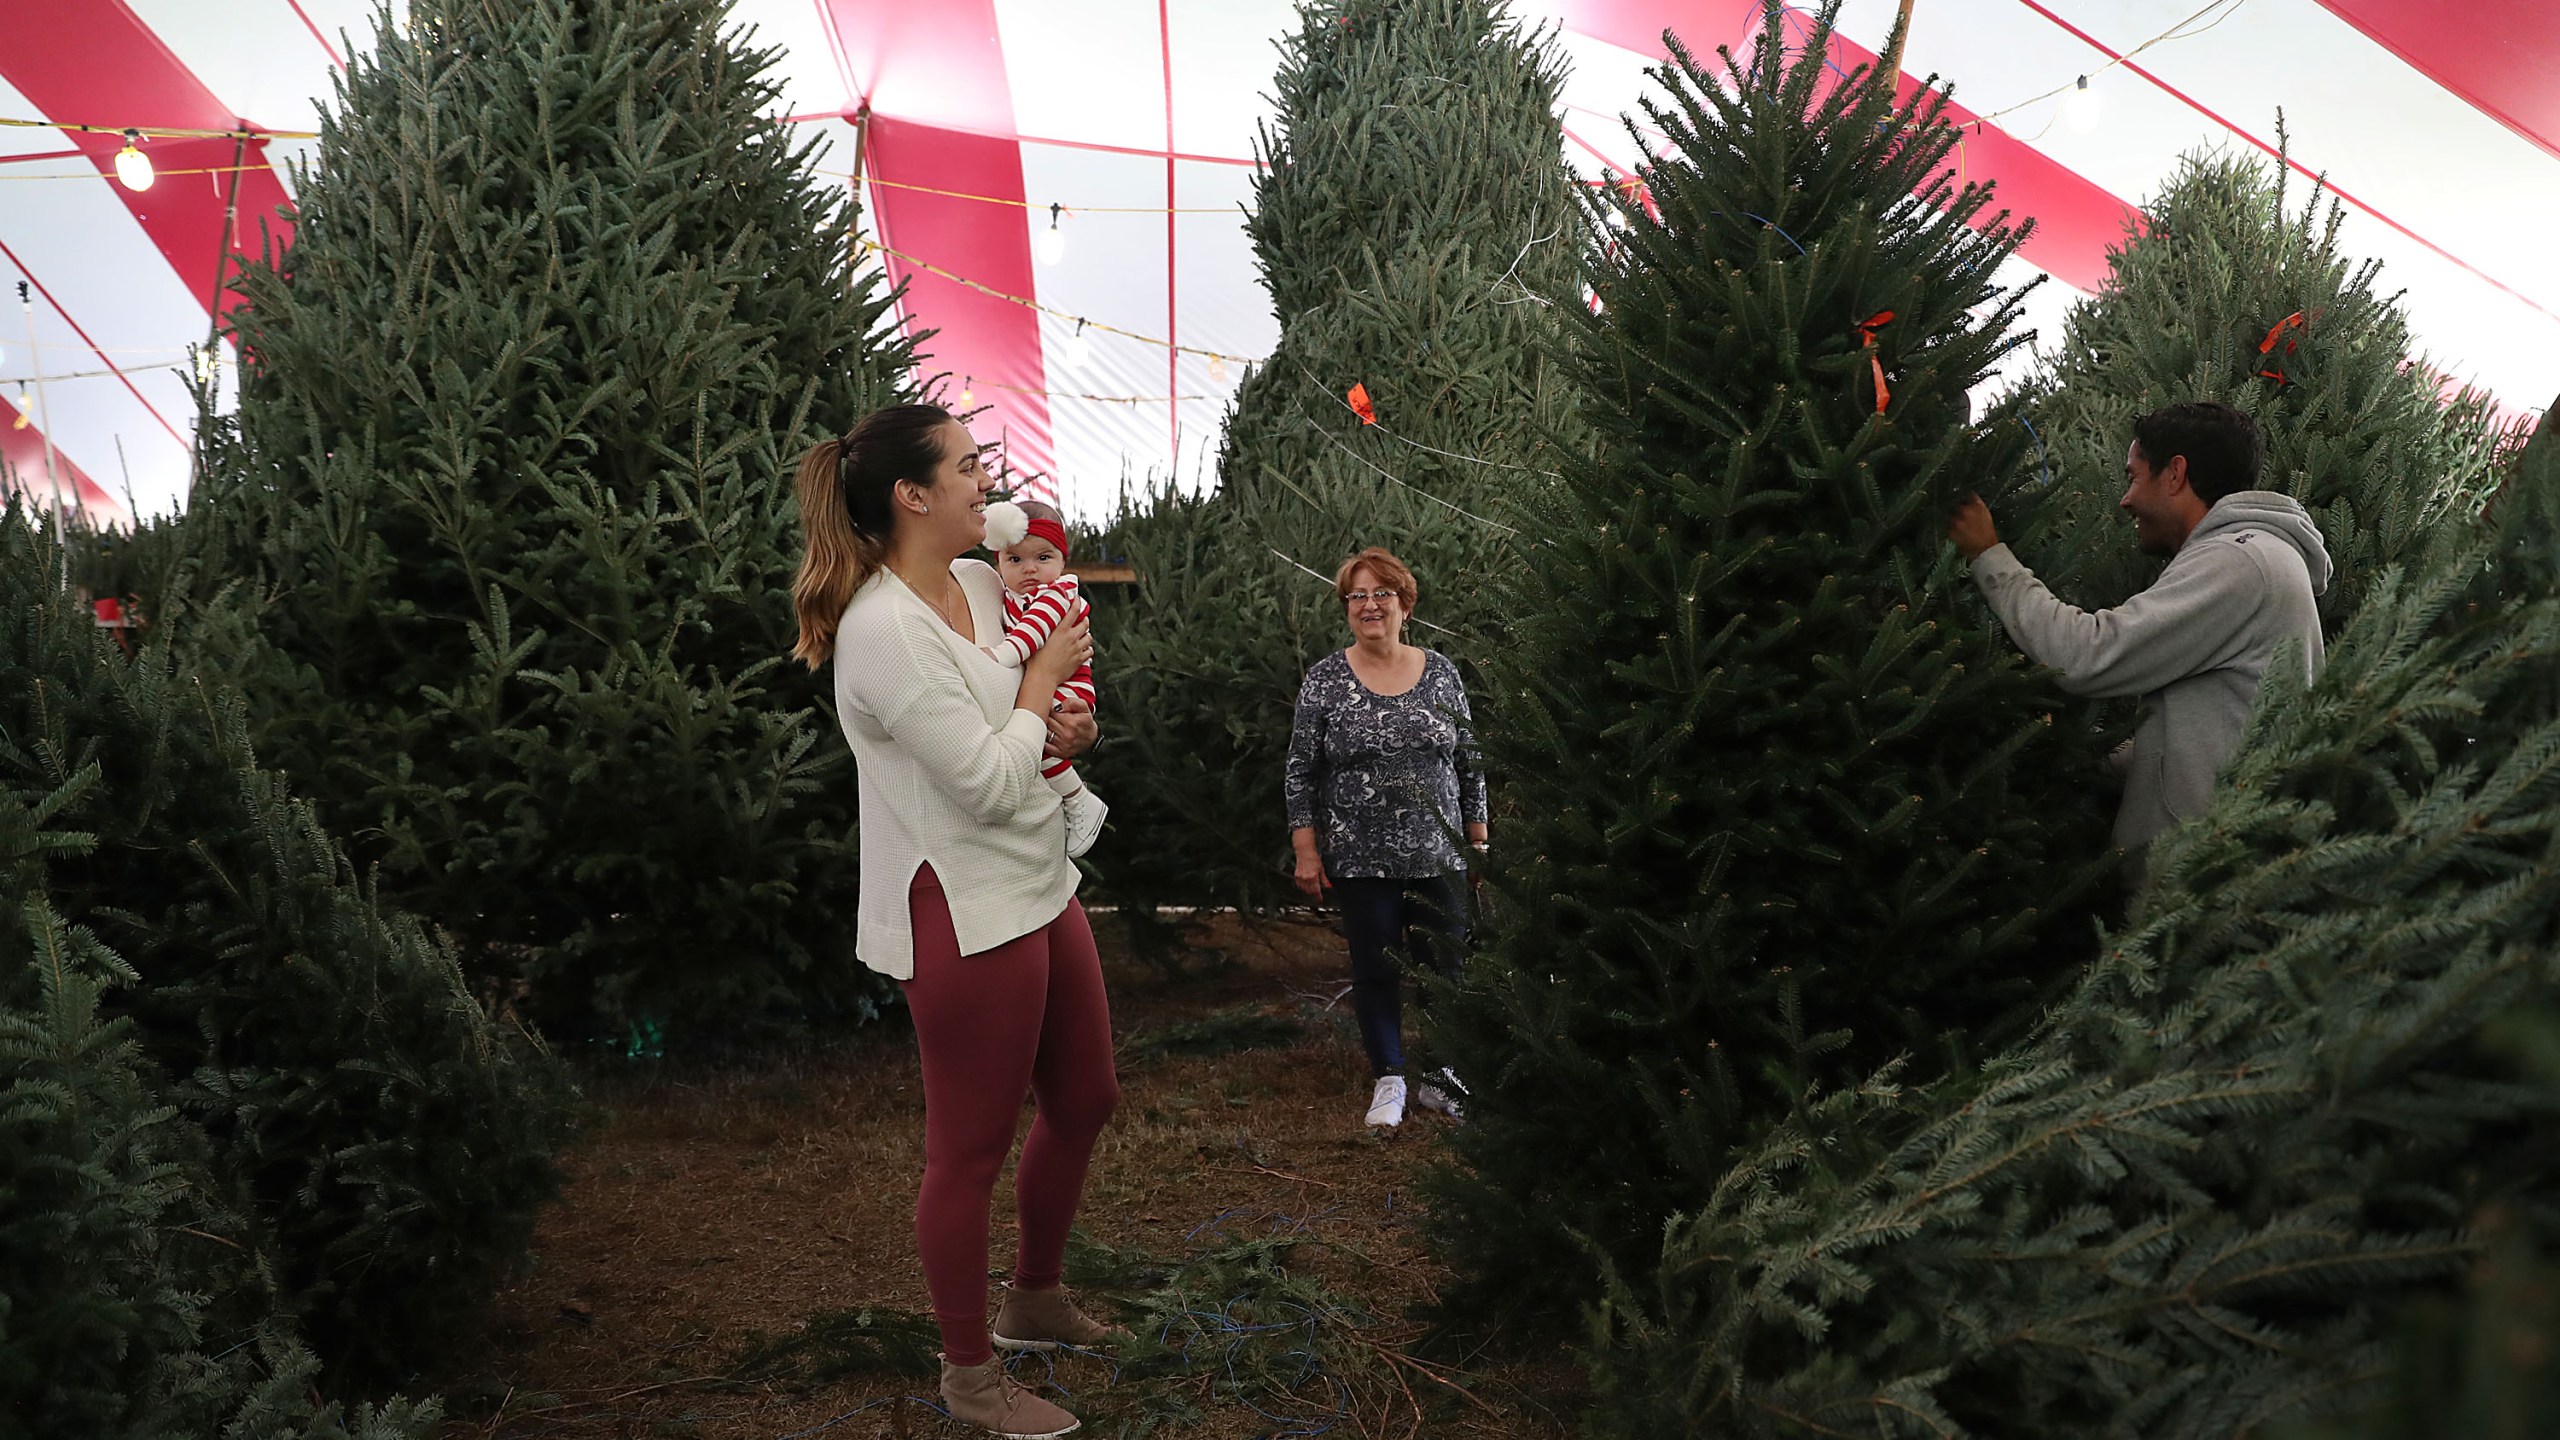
1111	357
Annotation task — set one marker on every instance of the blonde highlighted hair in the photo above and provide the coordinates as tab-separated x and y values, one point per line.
846	514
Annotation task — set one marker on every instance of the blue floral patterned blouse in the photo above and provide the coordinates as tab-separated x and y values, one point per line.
1384	780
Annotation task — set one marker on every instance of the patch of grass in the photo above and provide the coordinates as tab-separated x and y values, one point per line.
1237	1323
1220	1032
840	1344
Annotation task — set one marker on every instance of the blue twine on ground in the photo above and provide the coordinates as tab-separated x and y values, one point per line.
1213	1222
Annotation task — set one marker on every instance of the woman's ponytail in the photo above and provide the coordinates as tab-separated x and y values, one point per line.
846	515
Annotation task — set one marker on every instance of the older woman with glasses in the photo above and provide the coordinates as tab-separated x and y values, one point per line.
1382	776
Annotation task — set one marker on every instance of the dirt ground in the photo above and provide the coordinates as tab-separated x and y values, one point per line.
732	1254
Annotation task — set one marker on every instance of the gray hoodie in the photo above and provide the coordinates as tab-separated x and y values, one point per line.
2194	646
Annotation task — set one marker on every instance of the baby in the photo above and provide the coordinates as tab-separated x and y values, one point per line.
1030	541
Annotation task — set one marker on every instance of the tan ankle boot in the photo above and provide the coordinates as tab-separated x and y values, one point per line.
984	1396
1047	1319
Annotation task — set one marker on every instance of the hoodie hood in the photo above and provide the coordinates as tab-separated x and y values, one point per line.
2271	513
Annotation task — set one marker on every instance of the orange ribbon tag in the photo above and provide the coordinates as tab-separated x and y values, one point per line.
1867	329
1359	398
2273	370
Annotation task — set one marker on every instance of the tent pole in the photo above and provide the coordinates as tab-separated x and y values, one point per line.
44	422
213	303
1892	64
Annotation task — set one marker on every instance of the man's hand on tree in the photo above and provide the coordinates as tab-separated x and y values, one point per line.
1971	529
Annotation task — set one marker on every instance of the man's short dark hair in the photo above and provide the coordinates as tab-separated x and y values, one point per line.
2219	440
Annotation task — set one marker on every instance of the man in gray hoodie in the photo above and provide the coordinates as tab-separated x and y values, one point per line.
2244	568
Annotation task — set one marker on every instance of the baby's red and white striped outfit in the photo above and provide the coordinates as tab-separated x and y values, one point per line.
1029	621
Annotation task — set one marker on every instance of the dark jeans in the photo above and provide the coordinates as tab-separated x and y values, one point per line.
1391	922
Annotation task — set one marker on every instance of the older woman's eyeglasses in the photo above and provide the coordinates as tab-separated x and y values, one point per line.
1363	597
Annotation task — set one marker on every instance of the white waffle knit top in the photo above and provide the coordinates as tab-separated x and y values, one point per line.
948	772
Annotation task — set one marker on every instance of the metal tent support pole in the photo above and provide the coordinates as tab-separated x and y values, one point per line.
44	422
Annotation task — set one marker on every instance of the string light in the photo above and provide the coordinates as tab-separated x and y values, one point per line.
156	171
132	166
1051	244
2179	31
2080	110
157	132
879	182
869	245
968	392
1075	352
1217	369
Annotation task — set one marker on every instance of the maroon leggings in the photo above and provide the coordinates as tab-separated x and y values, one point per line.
1028	1017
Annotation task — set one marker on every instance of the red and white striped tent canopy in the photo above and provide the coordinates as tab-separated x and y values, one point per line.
1110	349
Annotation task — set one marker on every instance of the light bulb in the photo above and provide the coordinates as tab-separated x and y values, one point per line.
1217	369
2080	108
1075	352
132	166
968	392
1050	244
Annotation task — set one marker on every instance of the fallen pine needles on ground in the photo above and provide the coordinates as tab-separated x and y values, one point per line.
1220	1032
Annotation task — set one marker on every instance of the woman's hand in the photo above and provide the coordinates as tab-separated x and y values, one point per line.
1072	730
1311	877
1310	872
1067	648
1478	835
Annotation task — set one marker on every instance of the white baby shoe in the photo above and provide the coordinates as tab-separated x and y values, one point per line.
1085	814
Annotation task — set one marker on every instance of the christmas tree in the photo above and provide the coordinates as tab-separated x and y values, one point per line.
1762	744
500	541
2474	1363
86	1169
372	1147
108	1334
2223	294
1416	229
2287	1097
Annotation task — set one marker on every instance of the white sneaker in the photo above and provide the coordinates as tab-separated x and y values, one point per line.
1085	813
1386	1101
1431	1097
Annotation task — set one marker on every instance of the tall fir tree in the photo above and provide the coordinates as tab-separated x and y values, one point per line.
1763	745
2275	1109
1416	229
372	1148
504	516
2227	294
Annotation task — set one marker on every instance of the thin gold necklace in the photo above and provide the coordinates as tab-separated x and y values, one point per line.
938	607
